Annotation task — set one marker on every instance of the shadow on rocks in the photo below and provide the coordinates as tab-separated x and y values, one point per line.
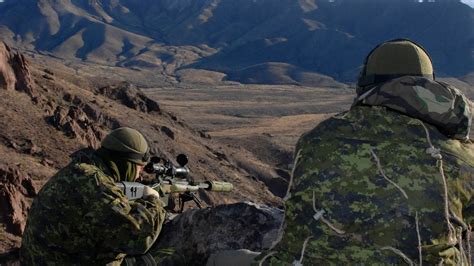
196	234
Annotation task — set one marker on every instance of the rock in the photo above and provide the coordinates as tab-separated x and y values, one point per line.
93	112
167	131
60	117
221	156
72	129
7	75
15	71
25	146
196	234
78	115
128	95
173	117
22	71
15	187
48	71
46	76
82	120
75	123
47	162
203	134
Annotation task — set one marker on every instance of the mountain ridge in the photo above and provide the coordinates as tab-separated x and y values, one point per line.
225	36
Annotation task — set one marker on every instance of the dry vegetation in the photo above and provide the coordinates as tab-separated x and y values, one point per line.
264	119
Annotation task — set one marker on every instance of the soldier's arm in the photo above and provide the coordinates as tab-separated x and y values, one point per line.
131	227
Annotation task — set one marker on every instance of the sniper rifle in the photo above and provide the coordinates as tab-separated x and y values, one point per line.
171	179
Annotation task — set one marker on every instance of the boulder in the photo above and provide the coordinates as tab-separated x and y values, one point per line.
130	96
196	234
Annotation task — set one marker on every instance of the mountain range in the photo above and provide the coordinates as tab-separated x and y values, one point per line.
320	42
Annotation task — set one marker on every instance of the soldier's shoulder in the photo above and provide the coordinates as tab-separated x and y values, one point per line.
86	168
370	124
343	123
86	172
329	124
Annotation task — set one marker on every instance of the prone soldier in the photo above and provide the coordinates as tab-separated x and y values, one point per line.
80	216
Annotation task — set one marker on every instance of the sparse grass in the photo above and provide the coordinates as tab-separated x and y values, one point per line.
239	115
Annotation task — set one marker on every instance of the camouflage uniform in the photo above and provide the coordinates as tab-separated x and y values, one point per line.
389	182
80	217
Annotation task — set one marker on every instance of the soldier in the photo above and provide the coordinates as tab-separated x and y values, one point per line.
391	181
81	217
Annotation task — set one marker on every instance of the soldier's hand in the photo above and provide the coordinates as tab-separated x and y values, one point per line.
150	192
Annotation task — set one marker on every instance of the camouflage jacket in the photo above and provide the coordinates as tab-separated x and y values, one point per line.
80	217
375	186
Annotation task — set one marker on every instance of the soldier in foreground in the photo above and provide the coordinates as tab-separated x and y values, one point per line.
391	181
81	217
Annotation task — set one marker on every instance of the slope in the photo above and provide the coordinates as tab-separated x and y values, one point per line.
49	113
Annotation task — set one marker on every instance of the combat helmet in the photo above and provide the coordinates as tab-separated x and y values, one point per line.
393	59
128	144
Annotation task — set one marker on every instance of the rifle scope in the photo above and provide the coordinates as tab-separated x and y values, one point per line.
167	168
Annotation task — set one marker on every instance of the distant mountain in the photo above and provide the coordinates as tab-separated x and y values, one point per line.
329	38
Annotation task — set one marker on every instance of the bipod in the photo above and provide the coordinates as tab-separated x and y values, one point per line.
188	196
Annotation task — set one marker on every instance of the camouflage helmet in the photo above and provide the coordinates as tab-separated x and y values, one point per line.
127	143
393	59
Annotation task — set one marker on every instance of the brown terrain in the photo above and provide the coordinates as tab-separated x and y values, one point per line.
264	120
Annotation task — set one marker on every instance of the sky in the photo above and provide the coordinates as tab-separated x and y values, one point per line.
469	2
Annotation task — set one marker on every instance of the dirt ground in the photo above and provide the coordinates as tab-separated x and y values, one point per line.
267	120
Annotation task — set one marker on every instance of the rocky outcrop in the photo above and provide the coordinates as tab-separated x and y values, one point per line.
14	71
196	234
83	121
15	188
128	95
24	145
7	75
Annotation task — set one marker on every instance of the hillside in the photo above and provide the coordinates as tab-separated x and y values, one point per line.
307	37
47	113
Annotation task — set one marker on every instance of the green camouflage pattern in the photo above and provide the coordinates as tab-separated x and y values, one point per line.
80	217
376	187
434	102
